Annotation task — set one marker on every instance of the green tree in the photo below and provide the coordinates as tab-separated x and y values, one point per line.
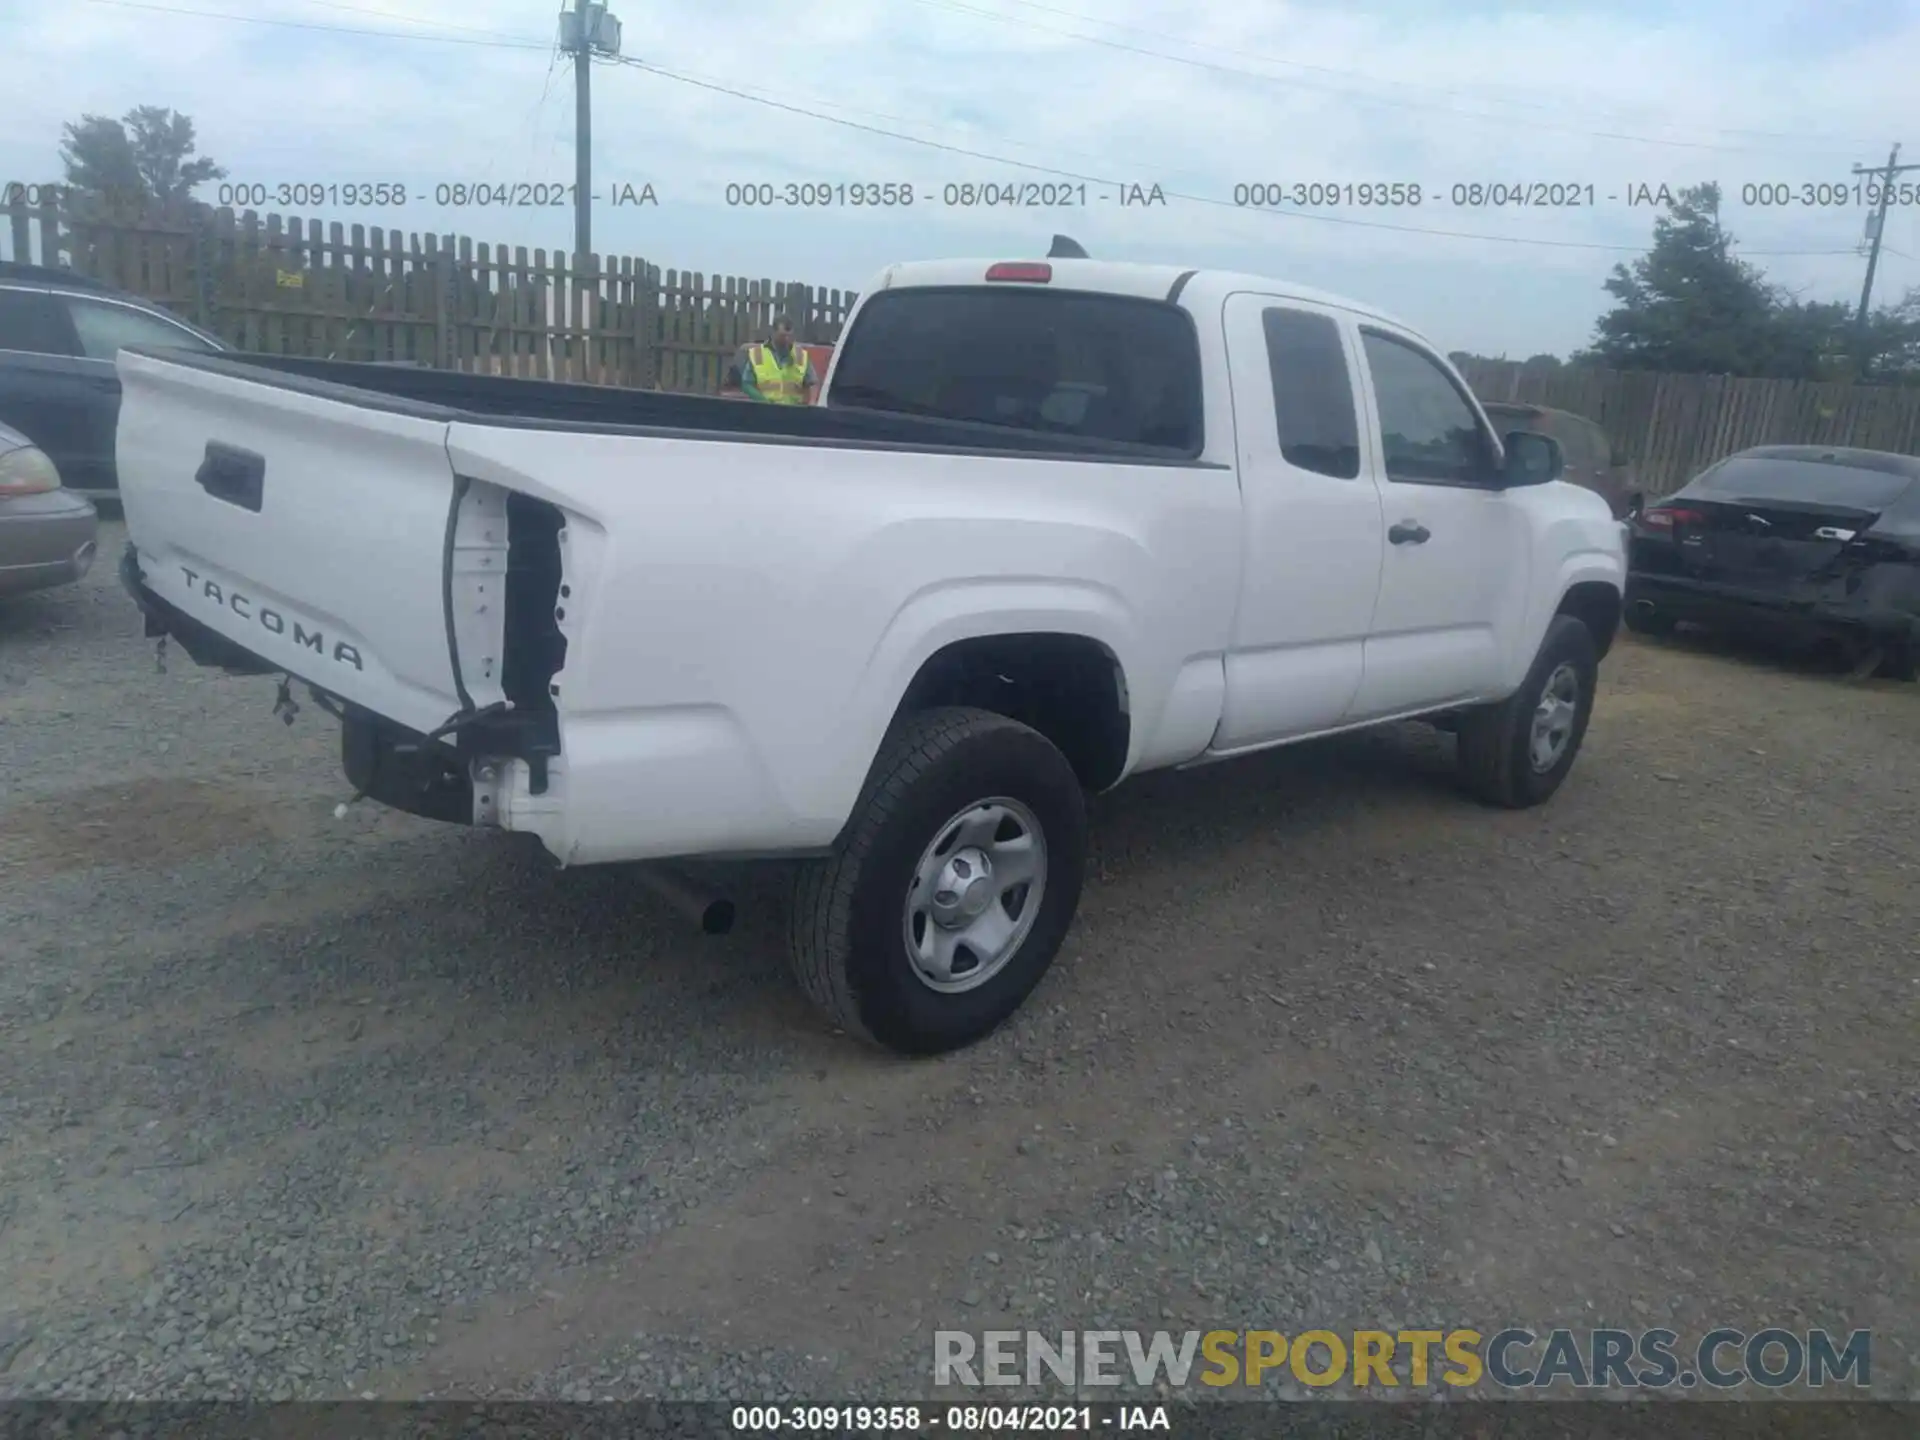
1812	340
1689	304
144	158
1893	340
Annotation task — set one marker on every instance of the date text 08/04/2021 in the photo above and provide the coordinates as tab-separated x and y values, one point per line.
950	1419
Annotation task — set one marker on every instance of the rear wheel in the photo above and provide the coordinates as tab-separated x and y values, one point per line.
1516	753
952	888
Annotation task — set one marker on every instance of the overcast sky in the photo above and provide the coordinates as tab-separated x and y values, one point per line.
1196	99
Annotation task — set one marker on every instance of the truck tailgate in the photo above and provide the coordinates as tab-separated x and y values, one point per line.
326	535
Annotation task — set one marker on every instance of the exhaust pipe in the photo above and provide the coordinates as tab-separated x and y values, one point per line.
712	913
1643	607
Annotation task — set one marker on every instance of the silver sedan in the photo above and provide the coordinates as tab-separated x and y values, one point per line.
48	535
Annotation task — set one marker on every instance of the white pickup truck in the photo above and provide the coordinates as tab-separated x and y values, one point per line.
1052	524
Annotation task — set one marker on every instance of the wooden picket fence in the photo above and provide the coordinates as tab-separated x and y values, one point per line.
1674	426
287	286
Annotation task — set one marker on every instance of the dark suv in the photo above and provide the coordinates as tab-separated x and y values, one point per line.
59	333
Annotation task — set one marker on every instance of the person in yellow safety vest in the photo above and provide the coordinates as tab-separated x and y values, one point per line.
779	372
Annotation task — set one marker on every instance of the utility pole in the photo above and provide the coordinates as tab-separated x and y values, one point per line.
585	30
582	139
1885	174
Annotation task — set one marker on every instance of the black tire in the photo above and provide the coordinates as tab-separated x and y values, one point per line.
848	943
1648	622
1495	740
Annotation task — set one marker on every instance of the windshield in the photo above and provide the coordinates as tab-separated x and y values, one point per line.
1104	367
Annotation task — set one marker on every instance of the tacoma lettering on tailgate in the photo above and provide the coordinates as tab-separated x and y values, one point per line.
271	620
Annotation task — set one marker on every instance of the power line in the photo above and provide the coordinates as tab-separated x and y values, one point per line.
1376	80
694	77
972	154
503	42
500	39
540	109
535	114
407	19
762	98
474	36
494	37
1355	95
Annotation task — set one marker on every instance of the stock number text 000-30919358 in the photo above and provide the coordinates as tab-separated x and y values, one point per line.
964	194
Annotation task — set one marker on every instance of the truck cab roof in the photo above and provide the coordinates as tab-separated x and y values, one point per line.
1136	278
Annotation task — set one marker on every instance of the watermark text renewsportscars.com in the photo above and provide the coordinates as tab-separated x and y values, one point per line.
1771	1358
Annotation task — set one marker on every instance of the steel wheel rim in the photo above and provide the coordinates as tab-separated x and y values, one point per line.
974	895
1553	719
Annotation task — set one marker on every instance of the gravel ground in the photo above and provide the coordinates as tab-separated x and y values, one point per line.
295	1106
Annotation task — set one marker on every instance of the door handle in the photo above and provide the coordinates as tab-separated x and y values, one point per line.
234	475
1409	532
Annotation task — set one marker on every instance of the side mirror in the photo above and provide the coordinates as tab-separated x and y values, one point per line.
1532	459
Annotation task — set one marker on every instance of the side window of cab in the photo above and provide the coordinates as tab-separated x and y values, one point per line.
1430	433
1312	393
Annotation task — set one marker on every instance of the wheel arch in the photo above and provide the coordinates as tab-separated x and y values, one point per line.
1597	605
1068	685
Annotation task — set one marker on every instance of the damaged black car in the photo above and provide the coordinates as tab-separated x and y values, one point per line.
1813	546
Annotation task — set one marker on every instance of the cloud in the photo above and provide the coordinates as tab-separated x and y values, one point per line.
1584	96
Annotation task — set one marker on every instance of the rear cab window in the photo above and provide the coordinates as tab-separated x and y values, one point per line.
1109	368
